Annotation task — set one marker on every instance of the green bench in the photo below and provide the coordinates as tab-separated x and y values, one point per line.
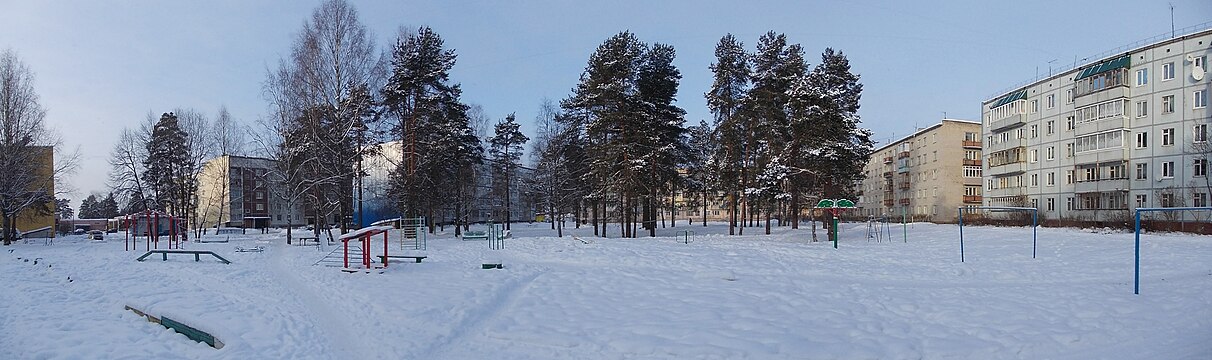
197	254
475	235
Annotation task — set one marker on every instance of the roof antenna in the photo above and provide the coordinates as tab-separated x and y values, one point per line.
1171	19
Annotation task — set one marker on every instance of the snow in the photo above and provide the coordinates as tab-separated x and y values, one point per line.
718	297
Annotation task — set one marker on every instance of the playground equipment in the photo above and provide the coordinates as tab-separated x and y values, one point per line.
1034	222
412	232
496	236
1136	265
686	235
877	227
834	207
364	235
152	225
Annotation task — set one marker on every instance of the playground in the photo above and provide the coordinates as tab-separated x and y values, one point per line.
692	292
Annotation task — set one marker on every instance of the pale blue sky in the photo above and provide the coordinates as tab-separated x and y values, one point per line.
102	66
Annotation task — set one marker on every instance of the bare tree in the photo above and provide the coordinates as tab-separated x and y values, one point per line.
332	58
26	148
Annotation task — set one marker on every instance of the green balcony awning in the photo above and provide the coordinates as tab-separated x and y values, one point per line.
1017	95
1122	62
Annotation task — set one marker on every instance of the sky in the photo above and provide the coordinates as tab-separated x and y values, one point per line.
104	66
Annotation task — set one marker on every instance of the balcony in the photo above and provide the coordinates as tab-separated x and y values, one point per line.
904	185
888	202
904	168
972	144
1004	145
888	160
905	201
972	199
1006	192
887	174
902	155
1100	125
1114	92
1008	123
1100	156
971	162
1104	185
1008	169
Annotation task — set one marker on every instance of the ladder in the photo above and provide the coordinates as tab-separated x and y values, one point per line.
412	233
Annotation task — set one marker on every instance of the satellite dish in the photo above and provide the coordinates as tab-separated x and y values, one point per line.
1190	58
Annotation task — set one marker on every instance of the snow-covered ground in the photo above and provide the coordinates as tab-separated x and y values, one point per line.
718	297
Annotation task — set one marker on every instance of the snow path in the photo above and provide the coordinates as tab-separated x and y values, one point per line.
331	326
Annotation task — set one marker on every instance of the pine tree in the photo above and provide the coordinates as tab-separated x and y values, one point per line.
167	165
108	208
506	148
729	88
658	87
700	168
88	207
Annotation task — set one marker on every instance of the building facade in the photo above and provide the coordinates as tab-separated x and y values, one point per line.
236	191
38	220
927	175
1128	130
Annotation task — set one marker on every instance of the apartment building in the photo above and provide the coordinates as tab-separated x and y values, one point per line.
926	175
237	191
1127	130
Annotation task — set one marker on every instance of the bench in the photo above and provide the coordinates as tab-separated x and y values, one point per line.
386	257
197	254
475	235
308	241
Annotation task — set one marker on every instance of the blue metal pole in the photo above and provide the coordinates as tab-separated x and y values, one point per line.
961	226
1136	268
1034	222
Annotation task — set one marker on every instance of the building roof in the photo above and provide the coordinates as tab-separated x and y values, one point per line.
923	130
1112	56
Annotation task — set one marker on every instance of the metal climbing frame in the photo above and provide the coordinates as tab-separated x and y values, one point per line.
412	232
496	236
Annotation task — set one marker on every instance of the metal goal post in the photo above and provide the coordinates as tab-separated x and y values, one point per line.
1136	266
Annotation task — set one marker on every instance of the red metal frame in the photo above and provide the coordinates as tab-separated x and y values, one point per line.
365	239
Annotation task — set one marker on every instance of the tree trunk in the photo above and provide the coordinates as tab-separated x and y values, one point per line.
731	214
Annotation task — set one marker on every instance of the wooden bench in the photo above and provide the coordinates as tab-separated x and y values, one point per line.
385	258
197	254
475	235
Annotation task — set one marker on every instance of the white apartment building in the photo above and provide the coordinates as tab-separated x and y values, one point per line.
926	175
1128	130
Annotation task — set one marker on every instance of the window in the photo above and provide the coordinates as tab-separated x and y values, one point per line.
1034	179
1142	200
1142	171
1051	127
1051	204
1069	203
1105	140
1069	176
1105	110
1034	131
1167	104
1034	106
1142	140
1199	199
935	155
1069	149
1034	155
1201	62
1142	109
1052	179
1168	169
1201	133
1168	137
1168	71
972	172
1142	76
1117	172
1051	152
260	207
1035	203
1070	123
1051	100
260	195
1069	96
1199	99
1167	200
1091	174
1201	167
